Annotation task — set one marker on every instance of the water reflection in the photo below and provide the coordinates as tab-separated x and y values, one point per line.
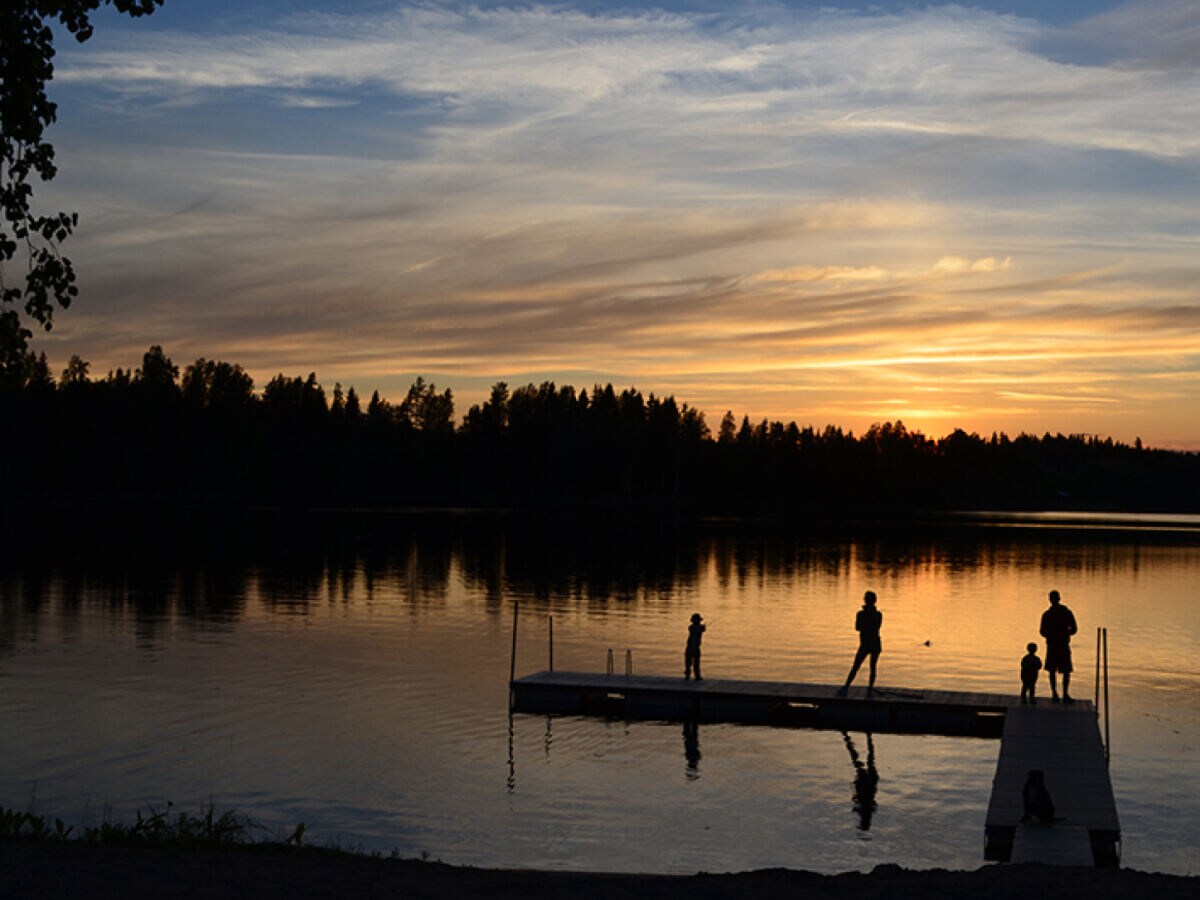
866	780
691	748
295	564
350	671
511	783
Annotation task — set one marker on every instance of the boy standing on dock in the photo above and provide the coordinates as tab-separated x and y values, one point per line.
1058	624
1030	666
691	655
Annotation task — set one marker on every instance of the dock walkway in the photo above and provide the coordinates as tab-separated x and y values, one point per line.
762	703
1062	741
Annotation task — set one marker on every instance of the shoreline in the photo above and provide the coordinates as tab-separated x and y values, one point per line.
267	872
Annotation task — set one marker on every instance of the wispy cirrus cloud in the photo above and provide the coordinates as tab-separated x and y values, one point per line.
939	71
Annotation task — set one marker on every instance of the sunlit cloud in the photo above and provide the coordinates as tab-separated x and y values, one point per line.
1057	398
956	264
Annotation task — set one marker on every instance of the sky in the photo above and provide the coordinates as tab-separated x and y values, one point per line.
975	216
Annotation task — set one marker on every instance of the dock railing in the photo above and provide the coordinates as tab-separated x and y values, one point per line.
1102	674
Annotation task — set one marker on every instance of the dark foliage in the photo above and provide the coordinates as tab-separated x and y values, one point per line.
205	437
26	65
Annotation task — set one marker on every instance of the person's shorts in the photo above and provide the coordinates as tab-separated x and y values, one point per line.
1058	658
869	646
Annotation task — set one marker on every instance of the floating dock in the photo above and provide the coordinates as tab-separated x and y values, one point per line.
1063	741
901	710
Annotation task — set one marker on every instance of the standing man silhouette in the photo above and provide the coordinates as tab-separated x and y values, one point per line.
1058	624
867	623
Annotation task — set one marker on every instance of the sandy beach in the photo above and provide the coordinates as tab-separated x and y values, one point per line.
264	873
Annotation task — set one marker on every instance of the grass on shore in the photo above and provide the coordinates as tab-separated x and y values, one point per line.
158	828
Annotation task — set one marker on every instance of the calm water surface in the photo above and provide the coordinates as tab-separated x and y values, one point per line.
352	675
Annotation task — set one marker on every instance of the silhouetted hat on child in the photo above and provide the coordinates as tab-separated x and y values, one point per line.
696	617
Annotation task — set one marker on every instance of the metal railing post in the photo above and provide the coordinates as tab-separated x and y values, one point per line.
608	669
628	662
1107	745
551	621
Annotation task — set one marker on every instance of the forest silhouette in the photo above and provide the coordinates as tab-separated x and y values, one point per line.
205	436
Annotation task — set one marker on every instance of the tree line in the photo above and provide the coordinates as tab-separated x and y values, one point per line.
204	435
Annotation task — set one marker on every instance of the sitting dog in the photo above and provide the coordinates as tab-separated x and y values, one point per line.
1038	805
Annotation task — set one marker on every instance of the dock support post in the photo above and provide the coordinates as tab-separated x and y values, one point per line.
512	667
1107	748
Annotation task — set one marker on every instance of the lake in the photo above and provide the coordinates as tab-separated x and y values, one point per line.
349	671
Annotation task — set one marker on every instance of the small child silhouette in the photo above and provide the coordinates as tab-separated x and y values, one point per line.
1030	666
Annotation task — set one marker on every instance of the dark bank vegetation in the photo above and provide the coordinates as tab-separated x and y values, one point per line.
204	435
164	828
53	867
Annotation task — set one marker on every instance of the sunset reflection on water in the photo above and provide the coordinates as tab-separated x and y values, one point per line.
355	679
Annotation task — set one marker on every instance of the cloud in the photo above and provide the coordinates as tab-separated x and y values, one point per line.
1162	34
940	71
947	265
808	274
1056	398
956	264
304	101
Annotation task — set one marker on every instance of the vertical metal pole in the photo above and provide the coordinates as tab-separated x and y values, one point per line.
628	662
608	669
1107	745
552	643
512	666
1096	697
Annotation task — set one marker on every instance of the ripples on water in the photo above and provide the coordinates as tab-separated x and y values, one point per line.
352	675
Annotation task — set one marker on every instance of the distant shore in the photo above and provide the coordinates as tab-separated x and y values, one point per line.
50	869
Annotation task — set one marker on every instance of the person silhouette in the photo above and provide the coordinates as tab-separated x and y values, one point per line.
867	623
1058	624
1030	666
866	781
691	653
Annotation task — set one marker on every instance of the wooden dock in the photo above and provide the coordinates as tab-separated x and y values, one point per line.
1063	741
901	710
